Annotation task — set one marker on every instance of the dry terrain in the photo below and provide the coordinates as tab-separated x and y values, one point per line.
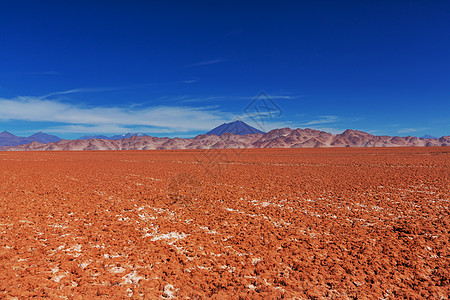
343	223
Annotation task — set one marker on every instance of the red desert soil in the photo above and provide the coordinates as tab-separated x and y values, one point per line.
259	223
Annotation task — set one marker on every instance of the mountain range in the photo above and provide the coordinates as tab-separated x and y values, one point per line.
277	138
114	137
9	139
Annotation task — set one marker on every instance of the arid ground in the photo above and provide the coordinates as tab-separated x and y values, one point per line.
347	223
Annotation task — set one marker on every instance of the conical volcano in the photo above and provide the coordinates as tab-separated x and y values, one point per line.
236	127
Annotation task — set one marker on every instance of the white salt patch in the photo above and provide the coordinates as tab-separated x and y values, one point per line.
129	293
146	218
173	236
117	270
58	226
76	248
132	278
57	278
169	291
230	209
208	230
110	256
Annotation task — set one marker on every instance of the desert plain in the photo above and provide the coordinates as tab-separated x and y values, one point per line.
341	223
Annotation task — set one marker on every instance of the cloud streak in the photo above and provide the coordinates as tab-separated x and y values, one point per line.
102	129
320	120
410	130
170	118
91	90
190	81
207	62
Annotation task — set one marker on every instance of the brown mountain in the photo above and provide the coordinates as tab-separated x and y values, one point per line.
277	138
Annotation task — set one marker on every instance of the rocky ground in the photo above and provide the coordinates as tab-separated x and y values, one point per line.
343	223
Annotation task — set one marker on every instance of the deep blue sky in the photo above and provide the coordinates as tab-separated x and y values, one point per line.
172	68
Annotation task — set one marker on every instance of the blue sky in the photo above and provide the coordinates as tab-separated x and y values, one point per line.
173	68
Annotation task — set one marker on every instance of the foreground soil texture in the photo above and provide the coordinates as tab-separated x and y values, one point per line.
348	223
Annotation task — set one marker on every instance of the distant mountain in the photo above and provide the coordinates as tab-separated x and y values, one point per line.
9	139
277	138
127	136
426	136
7	135
88	137
237	127
114	137
42	137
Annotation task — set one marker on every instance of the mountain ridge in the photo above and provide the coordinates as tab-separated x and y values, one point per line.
276	138
114	137
44	137
9	139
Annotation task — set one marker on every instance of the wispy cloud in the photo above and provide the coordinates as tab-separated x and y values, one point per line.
170	118
198	99
190	81
320	120
90	90
102	129
207	62
372	131
410	130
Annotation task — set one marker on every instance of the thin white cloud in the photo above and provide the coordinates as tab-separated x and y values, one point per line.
229	98
190	81
207	62
406	130
374	132
174	118
410	130
83	90
320	120
198	99
101	129
95	90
